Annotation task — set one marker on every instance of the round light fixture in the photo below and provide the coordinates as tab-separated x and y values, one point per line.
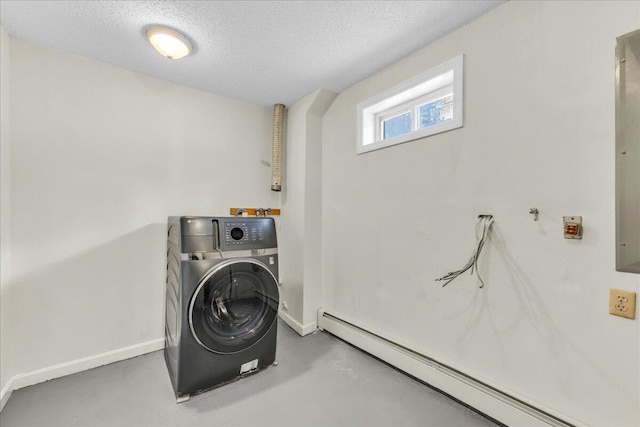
168	42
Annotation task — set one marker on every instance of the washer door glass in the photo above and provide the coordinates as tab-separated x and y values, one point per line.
233	306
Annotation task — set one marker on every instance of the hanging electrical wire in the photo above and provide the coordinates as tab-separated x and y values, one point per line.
482	233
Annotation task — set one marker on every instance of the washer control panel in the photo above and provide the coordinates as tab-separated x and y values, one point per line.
245	233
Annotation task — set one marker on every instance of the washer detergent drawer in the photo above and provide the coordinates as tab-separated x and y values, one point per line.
199	234
191	244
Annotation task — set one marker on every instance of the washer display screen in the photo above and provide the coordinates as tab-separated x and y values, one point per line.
237	233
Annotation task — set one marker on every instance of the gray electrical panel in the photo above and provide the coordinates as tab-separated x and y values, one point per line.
628	152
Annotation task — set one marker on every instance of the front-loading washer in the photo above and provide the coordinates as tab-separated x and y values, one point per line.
221	300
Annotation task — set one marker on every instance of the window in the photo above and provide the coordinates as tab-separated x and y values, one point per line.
428	104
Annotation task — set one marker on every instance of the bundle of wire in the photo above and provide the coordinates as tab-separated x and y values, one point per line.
482	233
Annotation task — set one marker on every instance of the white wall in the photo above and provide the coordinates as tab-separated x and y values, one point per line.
291	239
313	207
100	157
300	240
539	132
6	370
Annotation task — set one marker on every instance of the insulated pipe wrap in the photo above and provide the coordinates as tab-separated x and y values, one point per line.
276	151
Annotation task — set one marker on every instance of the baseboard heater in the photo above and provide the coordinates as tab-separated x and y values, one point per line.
478	394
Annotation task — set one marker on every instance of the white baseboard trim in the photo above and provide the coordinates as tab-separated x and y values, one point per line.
63	369
487	398
301	329
5	394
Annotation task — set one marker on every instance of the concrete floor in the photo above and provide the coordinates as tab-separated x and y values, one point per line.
320	381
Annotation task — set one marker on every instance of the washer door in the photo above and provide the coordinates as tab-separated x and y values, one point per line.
234	305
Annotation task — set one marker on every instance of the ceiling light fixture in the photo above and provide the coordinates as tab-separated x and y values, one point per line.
168	42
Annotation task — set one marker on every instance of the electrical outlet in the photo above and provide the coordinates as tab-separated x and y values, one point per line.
572	227
622	303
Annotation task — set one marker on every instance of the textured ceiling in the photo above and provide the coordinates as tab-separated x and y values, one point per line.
260	52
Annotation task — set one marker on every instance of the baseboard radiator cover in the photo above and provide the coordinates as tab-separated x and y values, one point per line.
479	394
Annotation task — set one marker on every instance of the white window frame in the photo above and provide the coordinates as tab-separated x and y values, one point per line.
409	96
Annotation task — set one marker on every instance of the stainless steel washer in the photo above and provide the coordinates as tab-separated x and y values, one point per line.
222	300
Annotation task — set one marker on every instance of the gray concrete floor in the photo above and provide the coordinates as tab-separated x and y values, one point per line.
320	381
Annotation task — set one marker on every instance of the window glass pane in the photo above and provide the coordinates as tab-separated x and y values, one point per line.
396	125
436	111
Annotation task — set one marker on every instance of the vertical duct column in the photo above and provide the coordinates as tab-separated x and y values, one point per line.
276	153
